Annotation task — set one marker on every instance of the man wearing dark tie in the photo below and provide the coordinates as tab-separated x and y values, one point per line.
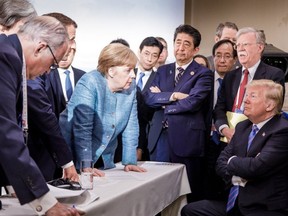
250	45
225	57
181	93
60	82
46	100
254	164
149	52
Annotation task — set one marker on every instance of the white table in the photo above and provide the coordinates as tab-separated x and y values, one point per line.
161	188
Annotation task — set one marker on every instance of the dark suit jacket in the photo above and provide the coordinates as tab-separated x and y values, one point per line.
230	86
265	165
54	90
20	169
187	130
45	142
145	113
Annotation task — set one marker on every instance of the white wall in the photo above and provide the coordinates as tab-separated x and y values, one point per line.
101	21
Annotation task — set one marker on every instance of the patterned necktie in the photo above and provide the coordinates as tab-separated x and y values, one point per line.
237	103
235	189
179	75
68	85
140	81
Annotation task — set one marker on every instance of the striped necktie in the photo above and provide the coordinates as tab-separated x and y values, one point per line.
179	75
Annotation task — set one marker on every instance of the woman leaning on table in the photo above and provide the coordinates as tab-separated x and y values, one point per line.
102	106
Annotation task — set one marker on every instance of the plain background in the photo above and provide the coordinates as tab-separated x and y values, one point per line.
101	21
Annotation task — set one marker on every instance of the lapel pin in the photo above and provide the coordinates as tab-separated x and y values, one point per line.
192	73
263	134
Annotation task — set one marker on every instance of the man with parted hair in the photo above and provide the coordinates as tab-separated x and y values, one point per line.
226	30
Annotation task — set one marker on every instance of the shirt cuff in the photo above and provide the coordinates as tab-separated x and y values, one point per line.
231	159
10	189
43	203
222	127
67	165
172	98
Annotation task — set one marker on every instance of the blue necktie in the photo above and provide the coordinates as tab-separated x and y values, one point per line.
179	75
140	81
220	84
68	85
235	189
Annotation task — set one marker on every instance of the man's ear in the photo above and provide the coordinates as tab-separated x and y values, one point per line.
270	106
41	47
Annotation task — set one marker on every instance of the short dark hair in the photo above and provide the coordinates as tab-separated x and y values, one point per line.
65	20
120	40
221	26
204	58
151	41
224	41
188	29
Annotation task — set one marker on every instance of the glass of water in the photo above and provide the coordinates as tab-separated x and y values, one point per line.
86	174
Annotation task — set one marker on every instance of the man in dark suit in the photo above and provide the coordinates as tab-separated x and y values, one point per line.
254	164
225	57
181	94
46	143
56	80
26	55
149	53
250	45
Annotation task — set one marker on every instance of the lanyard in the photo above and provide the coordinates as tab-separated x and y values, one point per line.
25	102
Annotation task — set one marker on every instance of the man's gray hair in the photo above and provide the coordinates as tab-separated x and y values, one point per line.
259	34
45	29
12	11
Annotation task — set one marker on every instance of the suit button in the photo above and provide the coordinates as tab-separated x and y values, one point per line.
113	126
38	208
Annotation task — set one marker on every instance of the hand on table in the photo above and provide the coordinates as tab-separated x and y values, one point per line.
135	168
62	210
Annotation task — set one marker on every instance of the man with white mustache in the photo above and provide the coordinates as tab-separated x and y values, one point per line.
250	46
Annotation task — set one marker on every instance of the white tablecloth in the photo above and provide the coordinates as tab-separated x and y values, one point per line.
161	188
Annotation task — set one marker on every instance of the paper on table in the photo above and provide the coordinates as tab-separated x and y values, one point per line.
79	198
233	119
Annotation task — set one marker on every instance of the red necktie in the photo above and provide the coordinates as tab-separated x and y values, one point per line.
237	103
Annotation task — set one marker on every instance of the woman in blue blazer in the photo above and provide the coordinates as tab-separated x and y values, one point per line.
102	106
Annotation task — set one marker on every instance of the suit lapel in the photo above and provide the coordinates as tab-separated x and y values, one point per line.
189	73
57	87
257	143
149	81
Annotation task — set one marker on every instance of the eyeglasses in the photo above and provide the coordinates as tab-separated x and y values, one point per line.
244	45
55	65
225	57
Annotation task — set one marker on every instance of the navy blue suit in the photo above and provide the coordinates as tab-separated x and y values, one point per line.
19	168
45	141
54	90
264	166
189	119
